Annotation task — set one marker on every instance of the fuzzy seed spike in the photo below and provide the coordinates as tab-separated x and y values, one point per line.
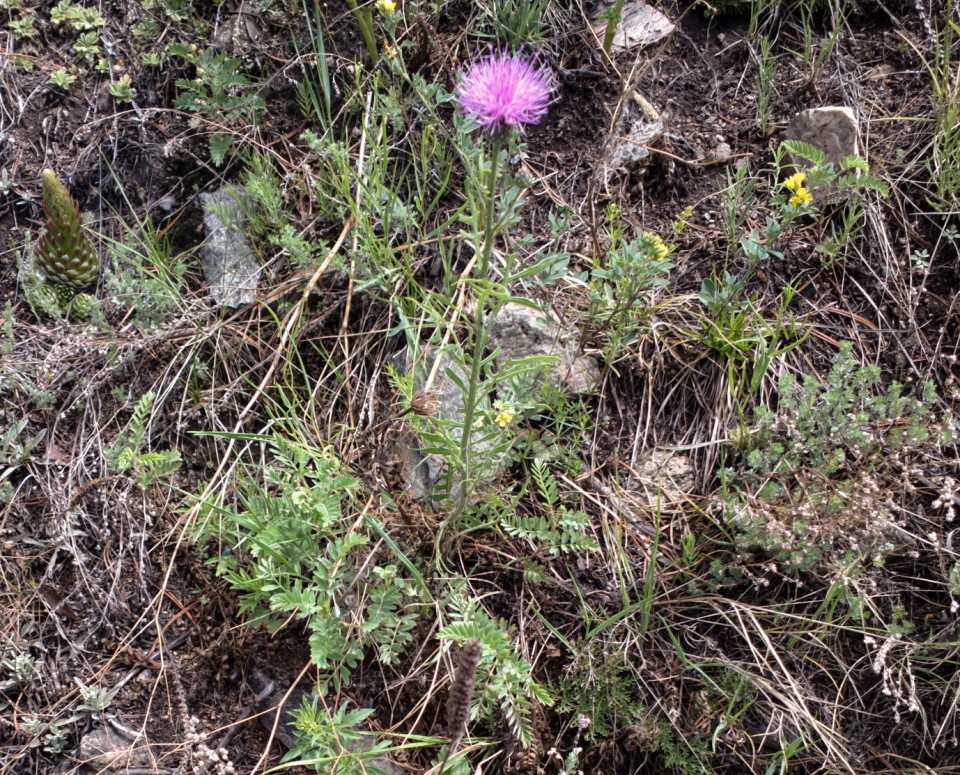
461	694
64	253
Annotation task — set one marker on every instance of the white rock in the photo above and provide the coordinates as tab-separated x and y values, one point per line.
641	25
229	263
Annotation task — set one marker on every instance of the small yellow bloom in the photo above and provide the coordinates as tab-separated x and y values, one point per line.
795	182
386	6
660	250
654	246
504	417
801	197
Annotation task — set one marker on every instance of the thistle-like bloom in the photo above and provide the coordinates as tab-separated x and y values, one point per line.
504	90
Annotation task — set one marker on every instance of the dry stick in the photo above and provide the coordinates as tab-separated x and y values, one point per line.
461	695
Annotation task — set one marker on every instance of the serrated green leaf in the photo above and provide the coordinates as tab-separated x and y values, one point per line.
806	151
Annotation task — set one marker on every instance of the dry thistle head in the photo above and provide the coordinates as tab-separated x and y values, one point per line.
425	403
461	689
64	253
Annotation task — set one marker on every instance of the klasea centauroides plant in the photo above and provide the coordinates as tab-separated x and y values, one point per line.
501	93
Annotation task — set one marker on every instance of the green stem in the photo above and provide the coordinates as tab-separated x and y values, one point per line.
481	334
364	18
616	16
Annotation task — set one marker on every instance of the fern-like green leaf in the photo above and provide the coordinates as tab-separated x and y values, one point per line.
806	151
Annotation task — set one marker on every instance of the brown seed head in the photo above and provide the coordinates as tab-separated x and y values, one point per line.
461	689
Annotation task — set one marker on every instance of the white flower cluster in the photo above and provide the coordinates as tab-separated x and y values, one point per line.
898	681
947	498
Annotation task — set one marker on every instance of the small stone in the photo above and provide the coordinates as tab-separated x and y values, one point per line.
665	477
107	750
835	131
229	263
522	332
640	124
641	25
721	151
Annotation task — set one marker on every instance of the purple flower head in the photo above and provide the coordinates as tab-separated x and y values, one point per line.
504	90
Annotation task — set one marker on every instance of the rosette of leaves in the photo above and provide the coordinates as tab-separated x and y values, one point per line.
64	252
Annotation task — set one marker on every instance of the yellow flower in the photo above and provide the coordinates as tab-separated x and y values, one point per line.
795	182
504	417
654	246
801	197
386	6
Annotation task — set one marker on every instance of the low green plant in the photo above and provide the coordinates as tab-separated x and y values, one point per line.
52	736
561	529
815	55
220	91
806	490
735	326
23	27
332	740
505	679
623	285
766	70
77	17
62	79
600	685
122	89
295	548
943	161
518	23
146	275
127	453
87	46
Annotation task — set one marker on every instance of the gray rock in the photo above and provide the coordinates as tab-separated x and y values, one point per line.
229	263
627	150
666	478
108	750
422	472
518	332
522	332
834	130
641	25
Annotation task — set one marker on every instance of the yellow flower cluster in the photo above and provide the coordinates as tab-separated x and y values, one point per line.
654	246
800	194
504	416
386	6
